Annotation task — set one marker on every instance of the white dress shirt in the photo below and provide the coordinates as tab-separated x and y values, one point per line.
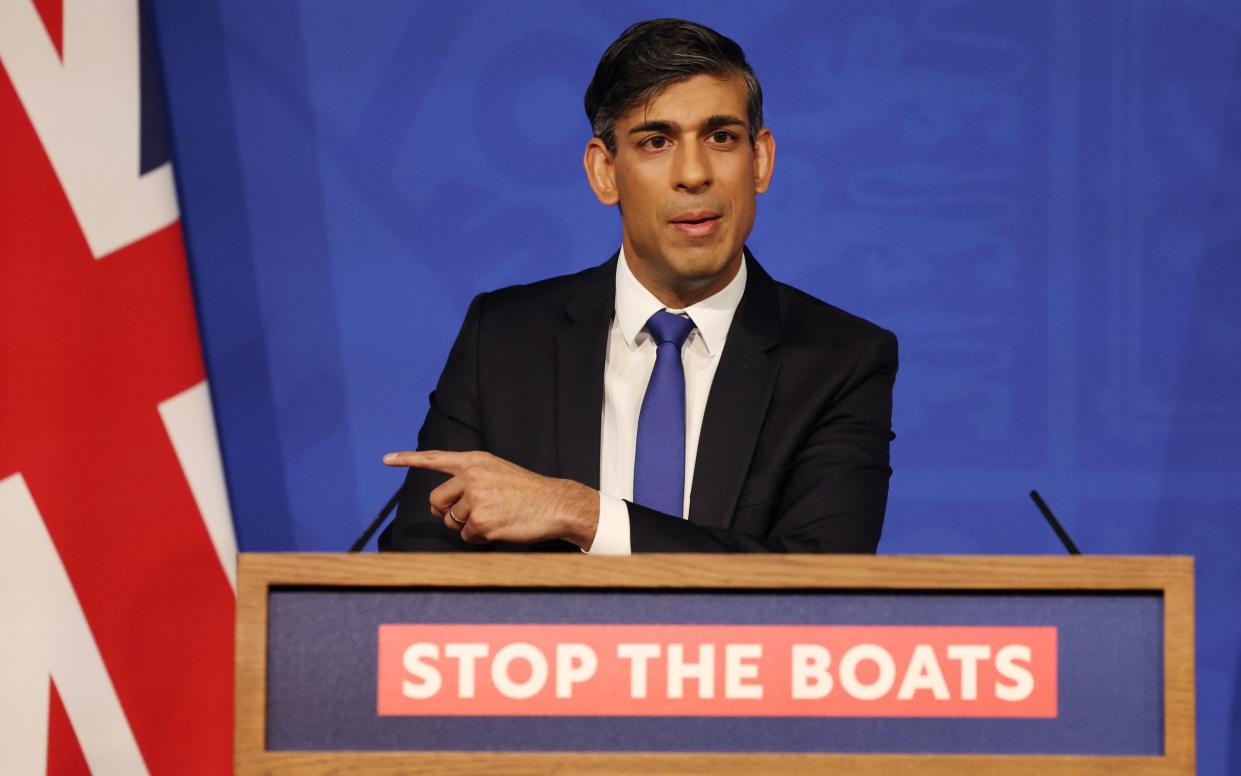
627	369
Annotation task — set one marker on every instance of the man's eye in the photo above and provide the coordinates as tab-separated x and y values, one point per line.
657	142
722	137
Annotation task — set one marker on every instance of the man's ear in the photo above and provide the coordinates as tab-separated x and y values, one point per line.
601	171
764	159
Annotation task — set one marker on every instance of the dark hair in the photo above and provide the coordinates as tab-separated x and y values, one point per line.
652	55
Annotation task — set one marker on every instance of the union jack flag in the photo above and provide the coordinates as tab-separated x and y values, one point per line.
117	554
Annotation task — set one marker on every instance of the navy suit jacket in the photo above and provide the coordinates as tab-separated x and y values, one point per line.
793	453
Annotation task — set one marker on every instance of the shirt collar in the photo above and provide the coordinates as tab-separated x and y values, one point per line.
712	316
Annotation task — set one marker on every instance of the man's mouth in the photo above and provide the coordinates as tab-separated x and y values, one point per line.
697	224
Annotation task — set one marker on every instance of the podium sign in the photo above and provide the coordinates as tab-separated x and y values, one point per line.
520	663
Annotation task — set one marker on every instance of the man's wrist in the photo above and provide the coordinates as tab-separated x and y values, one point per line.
581	514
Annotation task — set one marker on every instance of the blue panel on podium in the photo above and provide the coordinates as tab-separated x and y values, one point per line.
323	680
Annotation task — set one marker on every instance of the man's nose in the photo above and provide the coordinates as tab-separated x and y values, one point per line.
693	169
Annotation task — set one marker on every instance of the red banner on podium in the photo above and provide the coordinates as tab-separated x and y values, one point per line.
716	670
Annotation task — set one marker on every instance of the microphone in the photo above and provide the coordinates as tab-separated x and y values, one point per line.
1055	524
379	520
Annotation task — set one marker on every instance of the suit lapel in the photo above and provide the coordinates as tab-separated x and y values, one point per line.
581	348
737	404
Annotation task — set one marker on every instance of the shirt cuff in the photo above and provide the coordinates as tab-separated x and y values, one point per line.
612	535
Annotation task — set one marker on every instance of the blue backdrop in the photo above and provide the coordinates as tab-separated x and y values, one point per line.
1043	200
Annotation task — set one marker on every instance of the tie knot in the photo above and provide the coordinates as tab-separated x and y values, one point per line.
666	327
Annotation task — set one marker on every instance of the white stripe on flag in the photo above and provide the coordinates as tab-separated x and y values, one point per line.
46	635
191	427
86	110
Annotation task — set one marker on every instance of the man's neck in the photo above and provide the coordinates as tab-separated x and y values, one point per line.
680	293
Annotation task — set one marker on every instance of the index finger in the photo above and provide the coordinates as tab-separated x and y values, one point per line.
437	460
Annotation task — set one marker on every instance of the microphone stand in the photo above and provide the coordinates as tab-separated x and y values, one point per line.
1055	524
378	521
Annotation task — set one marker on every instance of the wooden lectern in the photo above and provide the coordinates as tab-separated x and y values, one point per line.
758	664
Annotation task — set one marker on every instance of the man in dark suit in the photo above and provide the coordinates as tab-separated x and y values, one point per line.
675	398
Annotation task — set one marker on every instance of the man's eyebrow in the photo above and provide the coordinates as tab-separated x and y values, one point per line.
711	124
722	120
654	126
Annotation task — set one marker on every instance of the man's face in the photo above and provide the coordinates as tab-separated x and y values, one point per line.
685	176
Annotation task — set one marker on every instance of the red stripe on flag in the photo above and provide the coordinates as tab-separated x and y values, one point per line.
88	350
64	753
52	13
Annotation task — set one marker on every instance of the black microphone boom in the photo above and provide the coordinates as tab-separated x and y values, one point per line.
378	521
1055	524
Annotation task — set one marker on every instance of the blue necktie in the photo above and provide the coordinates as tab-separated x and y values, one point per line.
659	463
